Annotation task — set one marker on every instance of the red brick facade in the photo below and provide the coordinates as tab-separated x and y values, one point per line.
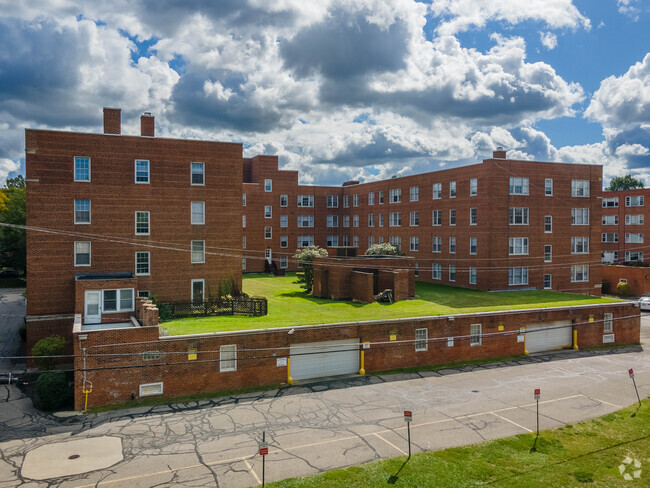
625	224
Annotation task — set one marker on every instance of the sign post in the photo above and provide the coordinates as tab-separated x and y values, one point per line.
537	394
631	372
264	450
408	418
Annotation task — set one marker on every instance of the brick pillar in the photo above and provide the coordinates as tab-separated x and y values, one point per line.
147	126
112	120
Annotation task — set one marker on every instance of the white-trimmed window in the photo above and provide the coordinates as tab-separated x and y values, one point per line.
436	244
579	273
436	217
371	241
548	281
284	241
332	221
395	195
371	198
143	293
472	275
634	219
355	221
414	219
634	238
243	264
284	262
548	253
611	202
475	335
396	241
579	216
268	211
518	246
437	191
198	252
355	200
345	240
371	220
548	224
305	241
228	358
473	187
198	291
142	223
609	257
452	189
579	245
518	215
243	199
452	272
332	201
284	221
421	339
633	256
346	221
120	300
142	263
82	253
243	242
332	241
548	187
268	185
82	211
305	220
579	188
346	201
518	186
452	245
395	219
150	389
414	193
81	168
452	216
414	243
473	216
636	201
473	245
608	323
355	241
381	198
381	220
243	221
305	200
198	174
610	220
268	232
436	271
518	276
141	171
198	213
609	237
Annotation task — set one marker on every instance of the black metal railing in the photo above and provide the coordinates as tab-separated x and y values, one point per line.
243	306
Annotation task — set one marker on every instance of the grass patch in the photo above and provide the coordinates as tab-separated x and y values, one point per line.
587	453
289	306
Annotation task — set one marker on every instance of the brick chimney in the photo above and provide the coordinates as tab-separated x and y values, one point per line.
112	120
147	128
500	153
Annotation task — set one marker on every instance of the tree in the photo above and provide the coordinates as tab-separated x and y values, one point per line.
383	249
305	258
626	182
47	347
12	211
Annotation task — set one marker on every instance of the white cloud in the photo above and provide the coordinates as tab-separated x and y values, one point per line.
7	166
548	40
629	8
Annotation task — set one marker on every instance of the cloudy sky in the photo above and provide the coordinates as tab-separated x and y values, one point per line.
340	89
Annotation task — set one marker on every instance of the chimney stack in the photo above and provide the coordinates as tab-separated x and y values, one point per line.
500	153
112	120
147	128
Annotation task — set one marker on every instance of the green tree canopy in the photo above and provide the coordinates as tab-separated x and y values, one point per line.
305	258
626	182
12	211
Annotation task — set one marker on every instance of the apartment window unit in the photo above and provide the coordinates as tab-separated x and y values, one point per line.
414	243
414	219
421	339
305	241
142	224
436	217
437	191
346	221
228	358
579	273
355	200
332	221
579	188
395	219
579	216
355	221
396	241
610	257
452	189
243	221
518	186
472	275
268	185
633	256
452	272
81	168
332	201
452	216
346	201
381	197
198	252
198	291
243	242
634	238
436	271
371	241
452	245
395	195
355	241
243	264
284	262
332	241
198	213
284	241
371	198
608	323
611	202
548	253
198	173
414	193
579	245
518	276
82	253
284	200
305	200
120	300
381	220
518	246
473	245
141	171
284	221
346	240
305	220
371	220
142	263
548	187
475	335
268	211
243	199
268	232
436	244
518	215
82	211
636	201
609	237
610	220
634	219
473	187
548	281
548	224
473	216
143	293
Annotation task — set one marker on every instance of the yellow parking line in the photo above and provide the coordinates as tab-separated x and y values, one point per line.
252	471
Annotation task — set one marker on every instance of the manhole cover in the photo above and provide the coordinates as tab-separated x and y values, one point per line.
74	456
474	391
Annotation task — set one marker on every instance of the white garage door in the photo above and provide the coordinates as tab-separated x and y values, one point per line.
319	359
549	336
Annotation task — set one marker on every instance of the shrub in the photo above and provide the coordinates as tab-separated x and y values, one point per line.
48	346
623	289
305	258
51	388
383	249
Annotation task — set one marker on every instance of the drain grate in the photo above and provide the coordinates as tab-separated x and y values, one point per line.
74	456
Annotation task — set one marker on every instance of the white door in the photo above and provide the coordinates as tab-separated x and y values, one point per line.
320	359
92	307
267	255
549	336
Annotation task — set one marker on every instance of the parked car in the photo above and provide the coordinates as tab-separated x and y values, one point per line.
644	302
8	273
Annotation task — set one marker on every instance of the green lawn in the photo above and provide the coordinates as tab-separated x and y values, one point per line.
290	306
585	454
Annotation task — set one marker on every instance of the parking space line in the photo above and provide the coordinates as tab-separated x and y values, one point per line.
513	423
606	403
252	471
391	444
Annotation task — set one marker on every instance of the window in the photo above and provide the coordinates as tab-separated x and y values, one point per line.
284	241
268	211
608	323
198	213
473	187
332	241
142	223
198	252
579	216
436	217
452	272
355	200
518	246
472	245
243	242
355	221
633	256
634	201
396	241
346	221
371	241
284	262
579	188
414	193
437	191
518	186
634	219
243	264
268	185
82	211
243	199
305	220
473	216
268	232
141	171
355	241
332	201
580	273
371	198
452	245
421	342
610	202
143	293
452	216
243	221
284	200
381	198
518	216
548	224
81	168
518	276
472	275
395	195
610	219
371	220
305	200
346	201
610	257
475	335
142	263
346	240
332	221
228	358
150	355
82	253
579	245
198	173
436	244
414	244
609	237
548	187
305	241
548	253
198	288
118	300
414	219
395	219
436	271
636	238
548	281
416	269
381	220
452	189
284	221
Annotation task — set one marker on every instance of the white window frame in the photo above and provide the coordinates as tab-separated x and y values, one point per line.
580	188
610	220
548	284
475	334
436	189
518	276
452	216
80	158
230	363
305	218
579	245
633	255
148	222
519	185
268	232
421	340
243	221
414	244
473	245
395	219
284	242
634	201
637	219
355	220
452	273
90	213
192	173
306	201
579	270
284	200
305	241
473	187
548	187
548	224
243	199
90	246
243	242
355	200
371	198
332	201
414	194
371	220
452	245
201	259
332	221
452	189
284	262
414	219
548	253
202	281
332	241
200	221
135	172
148	273
118	300
284	221
472	275
436	221
634	237
395	195
473	216
608	323
346	221
268	185
605	237
436	271
346	201
610	202
518	246
513	214
579	216
436	244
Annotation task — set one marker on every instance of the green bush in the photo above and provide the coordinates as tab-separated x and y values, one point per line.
623	289
48	346
305	258
164	312
22	332
51	388
606	288
383	249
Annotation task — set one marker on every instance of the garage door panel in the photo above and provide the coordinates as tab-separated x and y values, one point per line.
320	359
549	336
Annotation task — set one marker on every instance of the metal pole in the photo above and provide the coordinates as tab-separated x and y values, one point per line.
538	417
637	390
408	428
263	457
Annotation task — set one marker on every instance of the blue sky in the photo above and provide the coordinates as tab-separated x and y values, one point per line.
340	89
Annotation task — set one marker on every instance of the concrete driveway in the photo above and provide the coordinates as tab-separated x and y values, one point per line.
321	426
